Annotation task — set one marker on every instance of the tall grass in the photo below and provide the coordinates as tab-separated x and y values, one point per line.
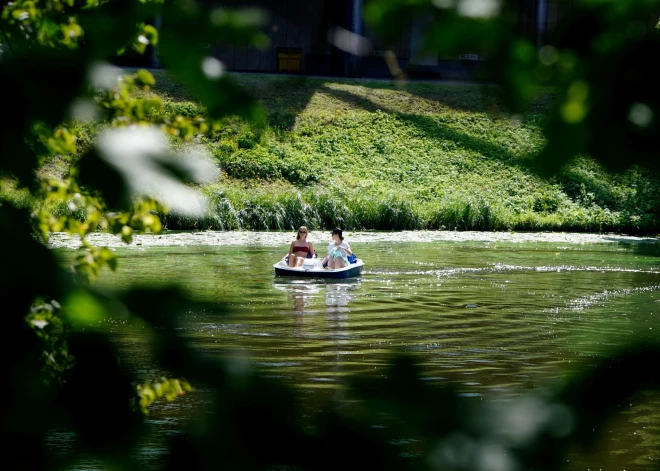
282	207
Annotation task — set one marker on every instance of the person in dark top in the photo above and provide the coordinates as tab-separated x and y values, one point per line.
299	248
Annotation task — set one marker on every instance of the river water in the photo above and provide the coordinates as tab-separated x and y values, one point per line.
492	314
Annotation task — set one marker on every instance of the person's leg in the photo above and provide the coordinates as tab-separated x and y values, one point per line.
292	260
299	261
339	263
331	262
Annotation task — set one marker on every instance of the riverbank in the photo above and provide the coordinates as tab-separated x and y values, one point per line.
275	239
372	155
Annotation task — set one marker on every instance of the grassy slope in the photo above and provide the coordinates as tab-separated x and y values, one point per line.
370	155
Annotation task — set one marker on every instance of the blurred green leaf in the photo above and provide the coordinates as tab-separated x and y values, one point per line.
83	309
144	77
36	99
127	234
184	31
148	168
607	106
170	388
34	269
609	99
96	173
112	430
113	24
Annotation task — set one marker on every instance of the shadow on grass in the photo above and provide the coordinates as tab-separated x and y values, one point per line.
434	130
167	84
296	91
572	180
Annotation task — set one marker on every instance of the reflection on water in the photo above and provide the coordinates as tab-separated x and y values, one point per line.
338	295
300	294
492	319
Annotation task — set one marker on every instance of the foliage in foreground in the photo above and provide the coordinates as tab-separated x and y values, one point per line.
60	369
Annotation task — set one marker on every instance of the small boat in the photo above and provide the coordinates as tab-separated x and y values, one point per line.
312	268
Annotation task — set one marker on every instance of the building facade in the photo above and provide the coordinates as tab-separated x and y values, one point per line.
298	33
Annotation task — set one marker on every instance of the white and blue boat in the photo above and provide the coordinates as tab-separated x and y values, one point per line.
312	268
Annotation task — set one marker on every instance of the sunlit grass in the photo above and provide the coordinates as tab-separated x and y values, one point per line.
11	193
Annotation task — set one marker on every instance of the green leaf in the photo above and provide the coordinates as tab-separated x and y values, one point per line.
83	309
151	33
145	78
147	167
127	234
183	31
109	257
152	105
109	27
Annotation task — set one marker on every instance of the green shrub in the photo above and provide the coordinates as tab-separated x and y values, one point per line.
270	164
247	141
282	119
547	201
186	109
223	149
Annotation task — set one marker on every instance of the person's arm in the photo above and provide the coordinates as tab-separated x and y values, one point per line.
291	249
311	249
347	248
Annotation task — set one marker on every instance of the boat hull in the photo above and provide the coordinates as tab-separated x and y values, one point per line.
353	270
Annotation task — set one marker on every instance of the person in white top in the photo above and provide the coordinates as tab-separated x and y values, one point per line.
338	251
